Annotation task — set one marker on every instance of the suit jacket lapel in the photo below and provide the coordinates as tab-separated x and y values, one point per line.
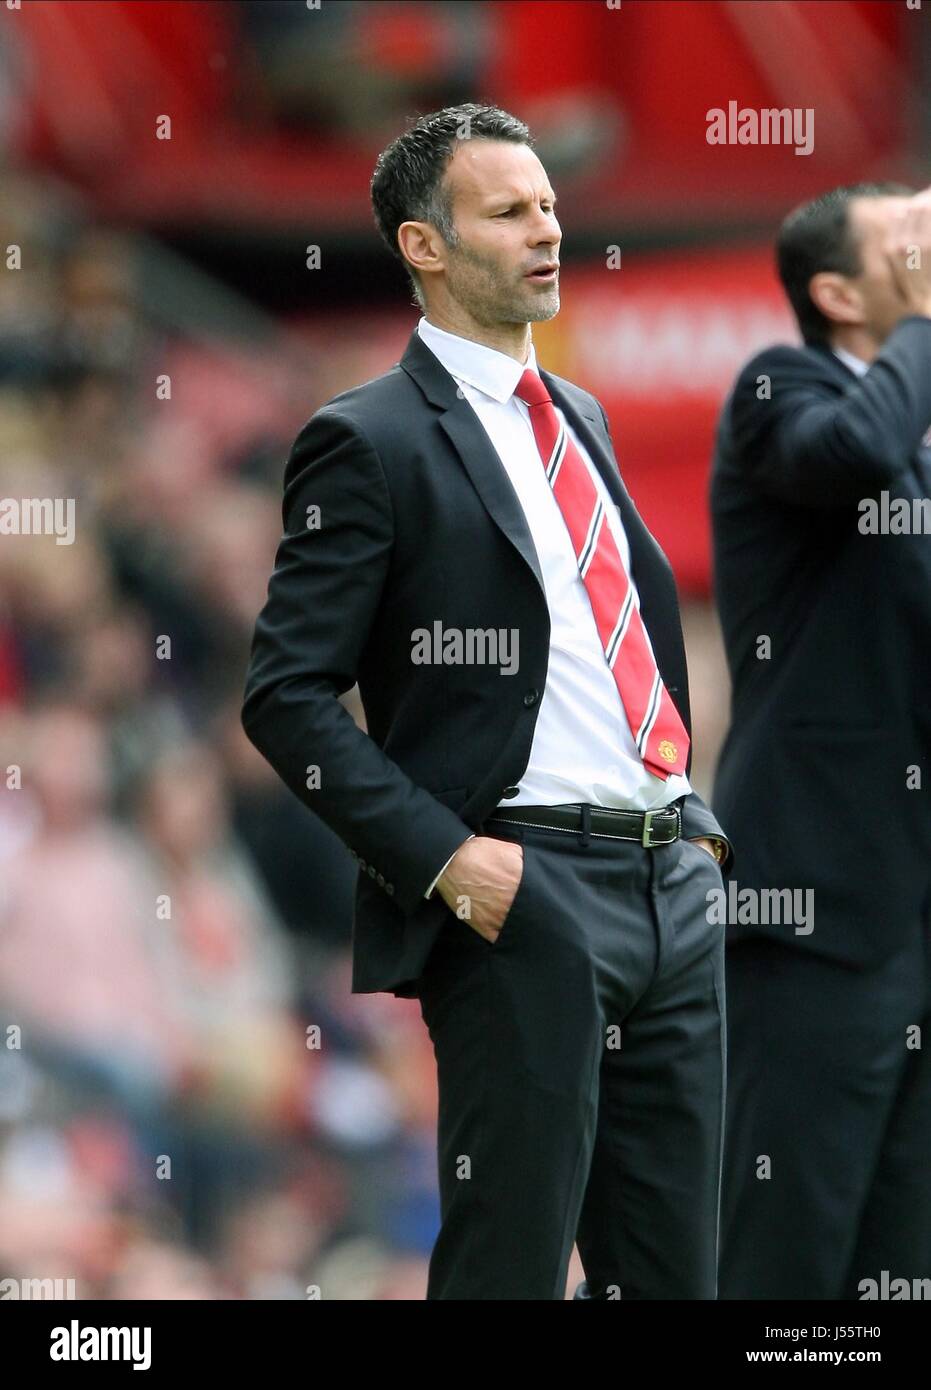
476	452
490	479
651	570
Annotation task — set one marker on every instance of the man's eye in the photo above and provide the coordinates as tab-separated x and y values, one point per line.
507	213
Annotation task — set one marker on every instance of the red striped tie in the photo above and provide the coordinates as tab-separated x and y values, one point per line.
658	731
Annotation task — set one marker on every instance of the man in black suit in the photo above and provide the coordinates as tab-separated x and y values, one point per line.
534	864
823	580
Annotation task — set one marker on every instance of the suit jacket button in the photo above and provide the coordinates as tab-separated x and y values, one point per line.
380	880
389	887
371	871
531	698
510	792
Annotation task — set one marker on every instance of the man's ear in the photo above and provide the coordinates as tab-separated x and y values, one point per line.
421	246
836	297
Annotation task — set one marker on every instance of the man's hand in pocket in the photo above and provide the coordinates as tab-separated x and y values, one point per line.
480	882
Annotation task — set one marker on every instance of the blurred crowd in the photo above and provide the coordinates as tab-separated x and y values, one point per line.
192	1103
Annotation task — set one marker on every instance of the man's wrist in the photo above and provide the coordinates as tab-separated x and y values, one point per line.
429	892
718	846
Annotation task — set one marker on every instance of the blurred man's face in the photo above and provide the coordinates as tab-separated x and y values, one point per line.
503	211
881	304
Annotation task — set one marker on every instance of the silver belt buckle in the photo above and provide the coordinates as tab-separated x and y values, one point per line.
647	829
648	816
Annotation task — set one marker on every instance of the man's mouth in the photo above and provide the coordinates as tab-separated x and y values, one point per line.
546	274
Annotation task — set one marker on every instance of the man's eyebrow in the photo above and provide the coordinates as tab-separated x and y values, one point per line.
518	198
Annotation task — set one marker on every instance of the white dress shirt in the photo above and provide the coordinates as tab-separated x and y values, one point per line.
583	749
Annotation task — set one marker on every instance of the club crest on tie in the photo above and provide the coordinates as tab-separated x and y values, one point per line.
668	751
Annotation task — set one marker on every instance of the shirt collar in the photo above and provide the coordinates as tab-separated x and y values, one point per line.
488	370
856	364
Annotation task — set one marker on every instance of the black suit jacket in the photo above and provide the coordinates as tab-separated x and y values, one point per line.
813	777
418	523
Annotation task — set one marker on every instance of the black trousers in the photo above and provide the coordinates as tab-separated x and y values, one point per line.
827	1162
581	1061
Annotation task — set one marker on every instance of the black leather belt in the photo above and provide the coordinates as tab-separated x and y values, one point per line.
648	828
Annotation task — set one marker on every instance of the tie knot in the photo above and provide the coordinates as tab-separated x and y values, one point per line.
531	389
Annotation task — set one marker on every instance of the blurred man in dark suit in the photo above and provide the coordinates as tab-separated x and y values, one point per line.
823	580
535	864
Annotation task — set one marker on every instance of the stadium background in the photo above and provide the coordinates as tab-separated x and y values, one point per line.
144	1037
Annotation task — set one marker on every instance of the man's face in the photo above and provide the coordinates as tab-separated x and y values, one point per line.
871	222
502	206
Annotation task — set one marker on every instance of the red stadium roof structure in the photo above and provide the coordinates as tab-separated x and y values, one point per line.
274	127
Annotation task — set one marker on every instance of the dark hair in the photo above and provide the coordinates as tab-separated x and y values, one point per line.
818	236
408	183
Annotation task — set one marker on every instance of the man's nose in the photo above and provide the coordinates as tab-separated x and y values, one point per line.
546	230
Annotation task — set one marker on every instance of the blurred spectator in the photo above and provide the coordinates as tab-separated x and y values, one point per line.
77	965
224	963
355	68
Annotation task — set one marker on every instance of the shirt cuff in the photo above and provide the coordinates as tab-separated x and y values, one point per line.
429	891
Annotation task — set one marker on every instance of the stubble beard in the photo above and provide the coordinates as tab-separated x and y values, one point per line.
492	297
